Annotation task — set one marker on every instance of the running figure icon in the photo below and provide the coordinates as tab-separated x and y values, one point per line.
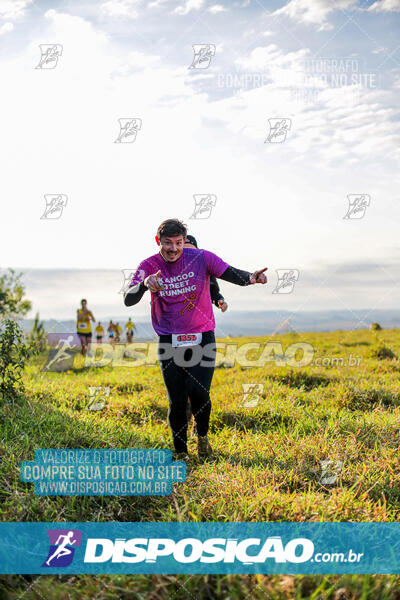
61	354
62	549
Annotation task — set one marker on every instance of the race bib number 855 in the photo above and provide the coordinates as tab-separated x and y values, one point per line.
186	339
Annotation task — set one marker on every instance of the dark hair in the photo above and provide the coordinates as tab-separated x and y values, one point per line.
171	228
190	239
83	300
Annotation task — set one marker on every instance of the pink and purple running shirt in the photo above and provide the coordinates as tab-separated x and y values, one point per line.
184	305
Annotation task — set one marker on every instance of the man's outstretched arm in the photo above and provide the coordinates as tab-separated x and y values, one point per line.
236	276
239	277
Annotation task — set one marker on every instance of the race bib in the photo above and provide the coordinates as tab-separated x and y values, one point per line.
82	325
186	339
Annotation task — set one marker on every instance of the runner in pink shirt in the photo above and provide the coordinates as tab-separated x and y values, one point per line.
182	316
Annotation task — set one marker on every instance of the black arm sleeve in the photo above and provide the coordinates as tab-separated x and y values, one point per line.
215	293
236	276
134	294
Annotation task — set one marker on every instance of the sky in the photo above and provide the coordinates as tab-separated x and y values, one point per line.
327	72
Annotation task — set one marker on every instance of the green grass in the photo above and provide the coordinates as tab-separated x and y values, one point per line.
267	467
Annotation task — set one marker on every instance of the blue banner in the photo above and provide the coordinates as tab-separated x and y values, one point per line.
77	472
215	548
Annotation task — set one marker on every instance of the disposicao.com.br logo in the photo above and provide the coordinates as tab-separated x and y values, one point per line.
212	550
222	550
209	547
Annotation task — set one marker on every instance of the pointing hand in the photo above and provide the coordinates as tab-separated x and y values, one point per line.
258	276
153	282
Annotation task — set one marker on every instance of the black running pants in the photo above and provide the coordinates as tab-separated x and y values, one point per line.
187	371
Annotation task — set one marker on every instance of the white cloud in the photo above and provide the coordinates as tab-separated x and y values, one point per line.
121	8
269	62
289	196
316	12
6	27
189	6
12	9
216	8
396	80
137	61
265	58
156	3
386	6
349	124
313	12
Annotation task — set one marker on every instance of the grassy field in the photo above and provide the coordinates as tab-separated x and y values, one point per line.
268	464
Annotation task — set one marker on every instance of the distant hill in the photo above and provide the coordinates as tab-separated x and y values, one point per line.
238	323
